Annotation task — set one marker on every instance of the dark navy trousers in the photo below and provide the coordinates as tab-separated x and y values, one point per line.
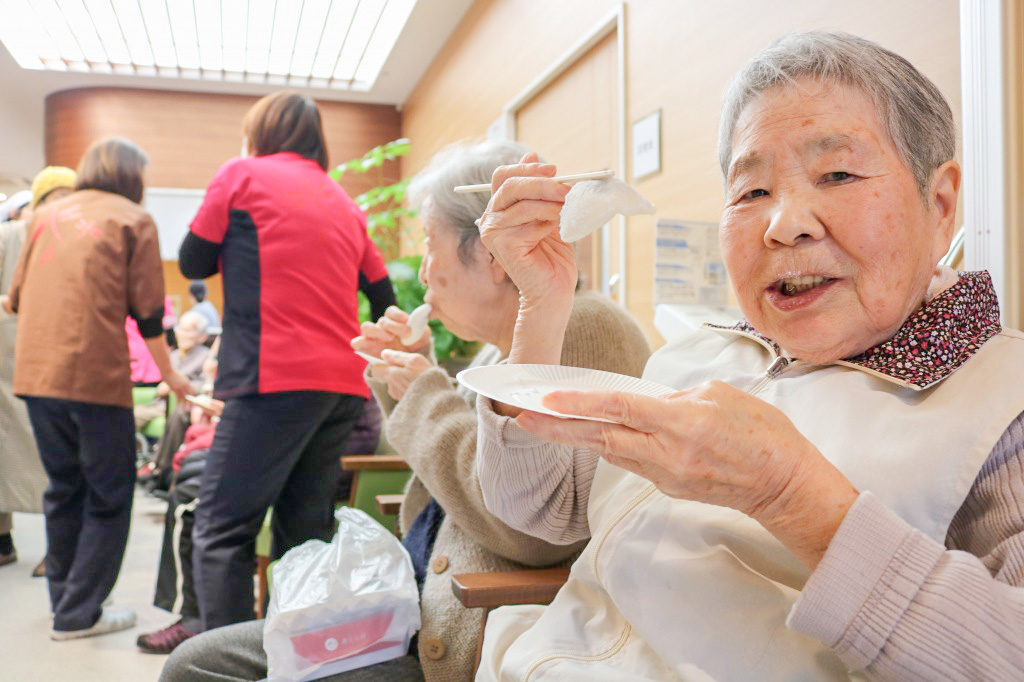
88	452
277	449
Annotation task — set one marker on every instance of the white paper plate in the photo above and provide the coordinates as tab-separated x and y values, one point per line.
524	386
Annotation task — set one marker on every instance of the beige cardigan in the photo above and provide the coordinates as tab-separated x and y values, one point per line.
434	427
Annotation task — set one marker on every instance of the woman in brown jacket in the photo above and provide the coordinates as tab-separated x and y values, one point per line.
91	259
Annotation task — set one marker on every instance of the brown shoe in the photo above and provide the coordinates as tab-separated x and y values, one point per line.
40	570
164	641
9	558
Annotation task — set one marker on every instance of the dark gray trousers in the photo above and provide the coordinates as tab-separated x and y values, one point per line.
88	452
235	653
277	449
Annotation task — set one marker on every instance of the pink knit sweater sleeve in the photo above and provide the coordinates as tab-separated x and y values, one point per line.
899	606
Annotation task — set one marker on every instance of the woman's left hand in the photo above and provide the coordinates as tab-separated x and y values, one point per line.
399	370
714	444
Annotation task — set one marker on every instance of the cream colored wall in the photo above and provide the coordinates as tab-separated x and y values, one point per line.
680	55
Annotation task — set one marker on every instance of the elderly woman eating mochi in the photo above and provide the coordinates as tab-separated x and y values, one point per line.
835	488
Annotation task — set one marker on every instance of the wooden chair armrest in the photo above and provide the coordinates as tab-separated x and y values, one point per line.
373	463
502	588
389	504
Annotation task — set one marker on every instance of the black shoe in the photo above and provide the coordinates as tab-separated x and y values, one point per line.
8	555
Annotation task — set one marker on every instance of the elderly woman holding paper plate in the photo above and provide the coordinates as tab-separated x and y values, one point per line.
832	487
433	424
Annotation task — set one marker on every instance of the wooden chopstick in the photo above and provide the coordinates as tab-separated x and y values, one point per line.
595	175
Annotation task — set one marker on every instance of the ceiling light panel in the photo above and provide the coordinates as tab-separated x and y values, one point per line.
339	44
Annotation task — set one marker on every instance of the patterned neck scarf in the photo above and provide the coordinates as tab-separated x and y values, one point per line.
935	341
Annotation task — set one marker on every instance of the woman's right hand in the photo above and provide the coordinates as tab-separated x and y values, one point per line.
387	333
521	230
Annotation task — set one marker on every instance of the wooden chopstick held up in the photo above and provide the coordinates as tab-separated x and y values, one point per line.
595	175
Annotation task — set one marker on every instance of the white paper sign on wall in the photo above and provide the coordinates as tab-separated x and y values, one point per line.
647	145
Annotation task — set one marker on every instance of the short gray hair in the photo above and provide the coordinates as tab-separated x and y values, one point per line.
201	322
462	164
910	107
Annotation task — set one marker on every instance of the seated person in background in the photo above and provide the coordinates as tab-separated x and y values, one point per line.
834	492
156	474
187	358
432	425
175	591
197	295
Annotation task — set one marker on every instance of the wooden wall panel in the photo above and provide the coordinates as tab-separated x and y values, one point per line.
188	135
680	55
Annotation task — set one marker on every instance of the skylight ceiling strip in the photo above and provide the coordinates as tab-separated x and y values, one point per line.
208	32
82	28
393	21
335	33
181	16
348	63
312	24
101	12
133	29
234	19
158	28
53	22
282	41
344	41
316	43
295	37
257	46
23	37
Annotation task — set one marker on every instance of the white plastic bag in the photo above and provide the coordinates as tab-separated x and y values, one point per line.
340	606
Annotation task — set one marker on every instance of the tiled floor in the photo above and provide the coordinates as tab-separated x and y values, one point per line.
26	652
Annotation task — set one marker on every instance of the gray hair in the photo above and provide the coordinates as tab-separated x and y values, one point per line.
201	322
462	164
911	108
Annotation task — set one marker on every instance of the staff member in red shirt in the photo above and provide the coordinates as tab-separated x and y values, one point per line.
91	259
292	248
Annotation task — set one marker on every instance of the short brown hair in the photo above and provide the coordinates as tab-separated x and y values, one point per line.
113	165
285	122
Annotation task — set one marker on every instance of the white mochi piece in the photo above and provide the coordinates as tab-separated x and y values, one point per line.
417	324
372	359
592	203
